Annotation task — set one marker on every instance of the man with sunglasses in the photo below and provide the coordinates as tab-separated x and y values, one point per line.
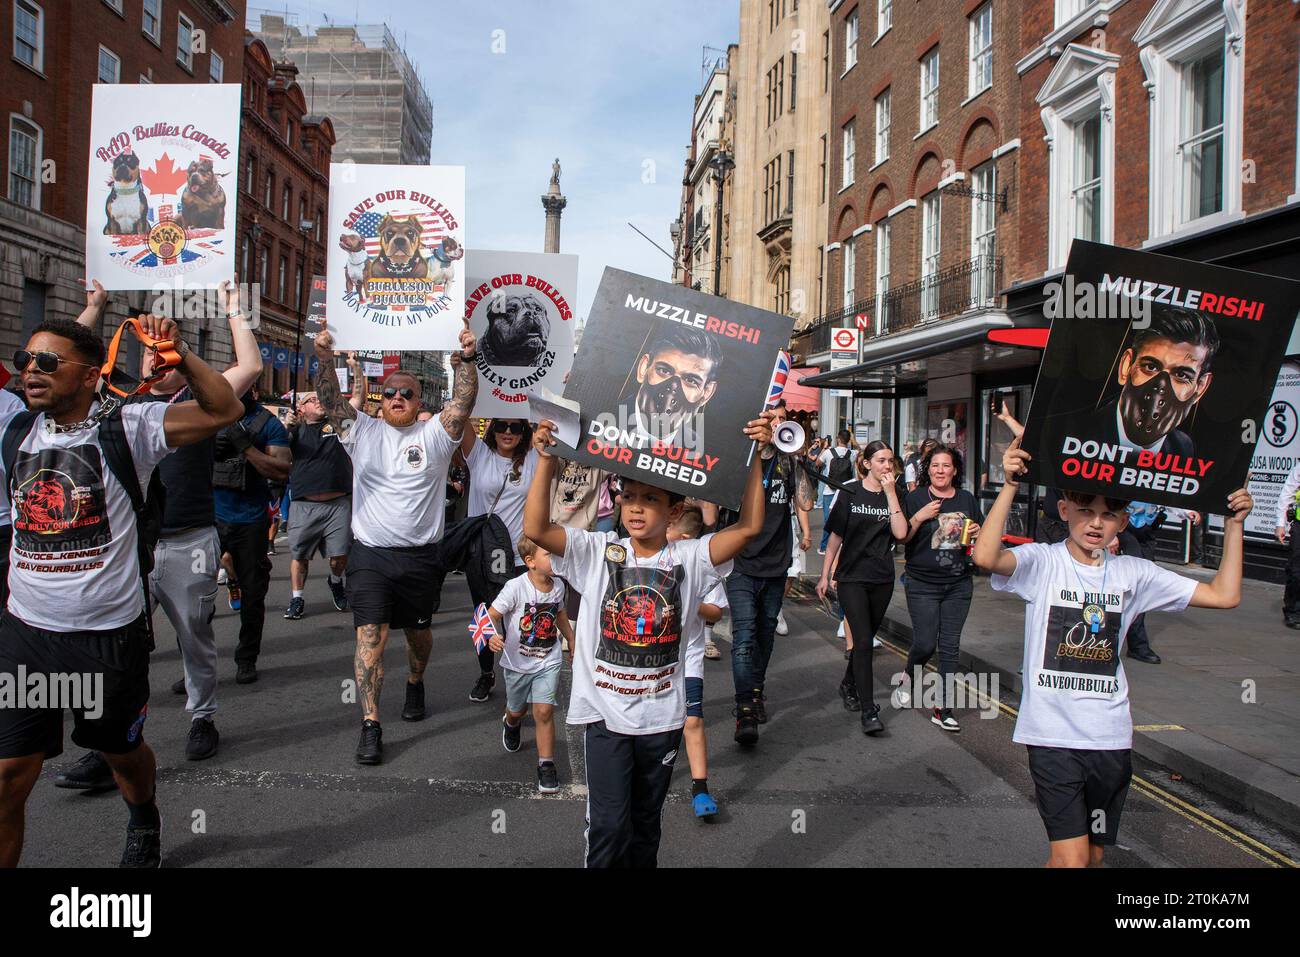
399	474
76	601
321	513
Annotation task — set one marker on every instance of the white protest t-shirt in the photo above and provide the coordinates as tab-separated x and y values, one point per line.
532	621
1075	690
9	404
399	481
629	666
489	474
73	565
717	595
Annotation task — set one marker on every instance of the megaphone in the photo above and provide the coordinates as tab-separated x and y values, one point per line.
788	436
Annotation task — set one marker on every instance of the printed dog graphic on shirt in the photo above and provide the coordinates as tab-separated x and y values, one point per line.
59	502
641	616
538	629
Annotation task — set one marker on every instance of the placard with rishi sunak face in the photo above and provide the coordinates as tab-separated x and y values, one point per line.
520	308
161	185
395	278
1156	377
666	378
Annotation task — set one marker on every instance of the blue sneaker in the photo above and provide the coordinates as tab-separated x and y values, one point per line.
704	805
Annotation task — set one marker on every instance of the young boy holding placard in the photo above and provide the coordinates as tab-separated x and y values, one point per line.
1074	712
629	679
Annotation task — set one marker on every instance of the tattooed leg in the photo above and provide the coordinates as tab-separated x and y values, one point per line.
419	645
369	667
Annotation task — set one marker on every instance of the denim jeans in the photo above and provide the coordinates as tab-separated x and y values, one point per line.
938	613
826	518
755	604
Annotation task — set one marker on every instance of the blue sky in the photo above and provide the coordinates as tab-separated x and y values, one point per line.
606	85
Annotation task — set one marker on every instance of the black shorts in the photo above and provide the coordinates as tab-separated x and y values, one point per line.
1080	793
101	676
398	587
6	540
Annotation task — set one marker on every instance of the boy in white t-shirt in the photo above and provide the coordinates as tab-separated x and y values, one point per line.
1074	712
699	628
628	669
529	617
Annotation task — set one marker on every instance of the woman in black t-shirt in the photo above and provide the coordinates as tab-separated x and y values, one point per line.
943	521
863	526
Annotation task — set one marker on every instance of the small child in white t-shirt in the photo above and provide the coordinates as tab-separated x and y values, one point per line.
529	618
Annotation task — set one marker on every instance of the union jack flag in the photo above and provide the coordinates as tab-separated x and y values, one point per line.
779	376
481	629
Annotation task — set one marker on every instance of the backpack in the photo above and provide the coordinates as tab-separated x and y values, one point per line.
231	471
841	468
146	504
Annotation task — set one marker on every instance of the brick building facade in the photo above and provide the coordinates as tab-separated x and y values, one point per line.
59	50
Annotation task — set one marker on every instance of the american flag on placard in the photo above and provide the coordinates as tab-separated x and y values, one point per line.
367	227
779	376
481	629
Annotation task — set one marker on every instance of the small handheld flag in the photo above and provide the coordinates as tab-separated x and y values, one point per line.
481	629
779	376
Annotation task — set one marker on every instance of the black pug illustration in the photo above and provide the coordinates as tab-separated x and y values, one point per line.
517	331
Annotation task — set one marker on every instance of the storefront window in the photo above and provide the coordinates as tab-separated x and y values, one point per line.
996	438
911	421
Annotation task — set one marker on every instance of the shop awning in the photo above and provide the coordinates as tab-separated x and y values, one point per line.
798	397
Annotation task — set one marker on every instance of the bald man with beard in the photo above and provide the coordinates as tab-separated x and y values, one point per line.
399	472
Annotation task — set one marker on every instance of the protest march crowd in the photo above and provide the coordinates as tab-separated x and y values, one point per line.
564	560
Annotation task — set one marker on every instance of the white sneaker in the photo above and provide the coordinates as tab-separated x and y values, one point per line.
711	650
875	642
781	627
902	696
222	577
839	632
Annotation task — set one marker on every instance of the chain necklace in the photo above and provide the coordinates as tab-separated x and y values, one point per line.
1094	615
106	408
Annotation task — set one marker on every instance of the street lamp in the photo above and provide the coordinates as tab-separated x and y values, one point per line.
305	226
722	163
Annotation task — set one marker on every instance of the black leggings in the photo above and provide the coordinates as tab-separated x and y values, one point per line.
864	607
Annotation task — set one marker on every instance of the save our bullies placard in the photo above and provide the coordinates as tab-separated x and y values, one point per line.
520	308
666	378
395	276
160	201
1156	377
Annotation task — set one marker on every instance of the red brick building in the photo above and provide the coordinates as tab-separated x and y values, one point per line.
58	50
283	193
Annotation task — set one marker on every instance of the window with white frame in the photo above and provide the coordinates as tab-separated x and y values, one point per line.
151	23
849	277
1067	10
286	202
882	276
983	231
24	162
1085	179
29	33
216	67
185	41
930	223
846	178
115	4
884	16
883	112
850	41
981	49
1193	55
930	89
110	67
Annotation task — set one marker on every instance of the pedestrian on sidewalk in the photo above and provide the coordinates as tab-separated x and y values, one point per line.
249	455
70	616
1074	711
501	469
912	469
399	489
320	515
529	617
943	519
1287	529
646	584
838	465
864	524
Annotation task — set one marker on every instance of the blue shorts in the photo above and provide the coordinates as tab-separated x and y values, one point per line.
695	697
531	687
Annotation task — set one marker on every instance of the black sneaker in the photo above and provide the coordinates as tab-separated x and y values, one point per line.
413	710
944	719
370	750
91	773
871	720
548	779
143	847
203	740
339	592
760	706
849	695
245	673
746	726
483	687
296	607
510	735
178	686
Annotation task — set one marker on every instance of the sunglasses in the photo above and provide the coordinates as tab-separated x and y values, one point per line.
514	428
47	362
405	393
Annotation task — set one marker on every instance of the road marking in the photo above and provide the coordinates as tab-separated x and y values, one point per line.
1158	727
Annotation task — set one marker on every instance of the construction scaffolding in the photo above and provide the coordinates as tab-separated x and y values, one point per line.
361	79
